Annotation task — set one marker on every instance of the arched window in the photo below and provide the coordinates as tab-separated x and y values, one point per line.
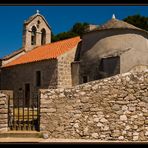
43	36
33	35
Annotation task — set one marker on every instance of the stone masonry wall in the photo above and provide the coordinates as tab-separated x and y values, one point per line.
3	113
115	108
64	69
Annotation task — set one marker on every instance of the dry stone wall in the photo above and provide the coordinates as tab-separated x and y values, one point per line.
115	108
3	113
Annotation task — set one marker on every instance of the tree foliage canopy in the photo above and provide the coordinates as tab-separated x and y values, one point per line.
77	30
138	21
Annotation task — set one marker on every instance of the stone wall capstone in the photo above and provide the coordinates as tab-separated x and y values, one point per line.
3	112
112	109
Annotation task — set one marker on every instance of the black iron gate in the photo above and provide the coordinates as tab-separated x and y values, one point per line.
22	116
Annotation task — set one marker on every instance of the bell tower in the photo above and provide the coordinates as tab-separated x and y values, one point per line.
36	32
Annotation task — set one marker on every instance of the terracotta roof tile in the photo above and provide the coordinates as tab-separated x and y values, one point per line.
44	52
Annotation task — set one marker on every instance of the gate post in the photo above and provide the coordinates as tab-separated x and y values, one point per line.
3	113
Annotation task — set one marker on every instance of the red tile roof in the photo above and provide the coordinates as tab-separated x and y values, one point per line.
44	52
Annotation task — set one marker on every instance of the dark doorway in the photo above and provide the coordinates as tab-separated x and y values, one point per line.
27	94
38	78
85	79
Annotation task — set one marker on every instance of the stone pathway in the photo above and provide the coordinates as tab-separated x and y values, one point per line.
41	140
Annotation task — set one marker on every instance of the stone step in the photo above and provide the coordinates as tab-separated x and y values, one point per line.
21	134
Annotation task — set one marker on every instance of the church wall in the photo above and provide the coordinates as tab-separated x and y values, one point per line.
133	57
14	78
64	68
130	45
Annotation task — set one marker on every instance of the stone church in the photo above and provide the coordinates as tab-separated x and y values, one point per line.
103	51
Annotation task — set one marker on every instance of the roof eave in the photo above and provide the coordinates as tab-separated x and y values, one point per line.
7	57
9	66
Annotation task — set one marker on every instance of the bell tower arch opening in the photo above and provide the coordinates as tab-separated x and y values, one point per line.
43	36
33	35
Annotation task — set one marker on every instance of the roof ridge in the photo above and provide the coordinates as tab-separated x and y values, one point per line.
56	42
64	40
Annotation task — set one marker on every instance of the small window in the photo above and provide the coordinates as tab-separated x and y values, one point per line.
38	23
38	78
85	79
20	89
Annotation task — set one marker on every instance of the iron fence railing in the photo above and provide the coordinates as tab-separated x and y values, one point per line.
22	116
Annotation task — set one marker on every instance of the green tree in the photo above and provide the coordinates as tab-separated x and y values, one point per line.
78	29
138	21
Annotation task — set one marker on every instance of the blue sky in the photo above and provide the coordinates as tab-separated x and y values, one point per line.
60	18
